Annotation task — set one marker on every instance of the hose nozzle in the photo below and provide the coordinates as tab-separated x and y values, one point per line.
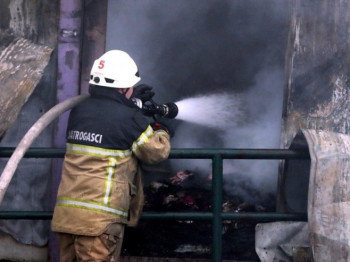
150	108
169	110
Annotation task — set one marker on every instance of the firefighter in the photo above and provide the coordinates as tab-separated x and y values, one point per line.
100	190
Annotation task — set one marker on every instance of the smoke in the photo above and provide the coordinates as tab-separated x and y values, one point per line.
265	102
204	49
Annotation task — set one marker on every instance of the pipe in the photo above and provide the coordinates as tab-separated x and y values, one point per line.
256	217
217	186
188	153
30	136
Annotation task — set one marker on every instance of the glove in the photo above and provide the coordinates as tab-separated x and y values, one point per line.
143	92
161	126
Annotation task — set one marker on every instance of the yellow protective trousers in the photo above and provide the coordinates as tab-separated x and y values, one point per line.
102	248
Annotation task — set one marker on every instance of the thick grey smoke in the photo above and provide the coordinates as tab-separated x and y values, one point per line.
200	47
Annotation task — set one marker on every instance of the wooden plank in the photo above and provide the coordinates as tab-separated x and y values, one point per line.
22	65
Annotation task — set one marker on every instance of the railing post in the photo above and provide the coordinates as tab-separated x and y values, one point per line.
217	184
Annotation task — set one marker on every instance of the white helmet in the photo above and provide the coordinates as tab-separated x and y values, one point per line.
115	69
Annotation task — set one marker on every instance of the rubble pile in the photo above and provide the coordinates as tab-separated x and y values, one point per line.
192	238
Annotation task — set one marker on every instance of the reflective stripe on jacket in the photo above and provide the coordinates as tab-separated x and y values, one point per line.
101	181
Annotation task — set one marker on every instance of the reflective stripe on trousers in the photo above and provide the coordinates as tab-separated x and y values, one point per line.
91	206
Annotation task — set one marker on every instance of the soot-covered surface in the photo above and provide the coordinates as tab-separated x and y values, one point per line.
192	238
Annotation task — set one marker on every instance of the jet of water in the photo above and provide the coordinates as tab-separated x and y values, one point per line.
216	110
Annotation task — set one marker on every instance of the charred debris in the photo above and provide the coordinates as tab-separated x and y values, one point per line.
188	191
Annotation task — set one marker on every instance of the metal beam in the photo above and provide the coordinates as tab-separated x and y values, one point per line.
256	217
183	153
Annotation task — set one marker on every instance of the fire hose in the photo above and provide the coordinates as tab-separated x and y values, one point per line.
30	136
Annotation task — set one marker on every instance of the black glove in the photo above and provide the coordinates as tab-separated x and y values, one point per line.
158	125
143	92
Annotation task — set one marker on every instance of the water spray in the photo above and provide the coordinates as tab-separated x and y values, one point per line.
214	110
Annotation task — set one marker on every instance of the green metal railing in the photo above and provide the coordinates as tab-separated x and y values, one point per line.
217	216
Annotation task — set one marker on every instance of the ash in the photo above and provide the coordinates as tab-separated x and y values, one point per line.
189	192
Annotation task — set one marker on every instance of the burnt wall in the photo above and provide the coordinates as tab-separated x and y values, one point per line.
318	83
34	22
317	92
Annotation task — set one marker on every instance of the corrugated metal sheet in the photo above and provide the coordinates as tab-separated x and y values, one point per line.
321	187
329	195
282	241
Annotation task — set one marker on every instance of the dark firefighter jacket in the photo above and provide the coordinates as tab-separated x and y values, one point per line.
106	137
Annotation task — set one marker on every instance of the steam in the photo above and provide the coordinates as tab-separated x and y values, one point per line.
244	121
